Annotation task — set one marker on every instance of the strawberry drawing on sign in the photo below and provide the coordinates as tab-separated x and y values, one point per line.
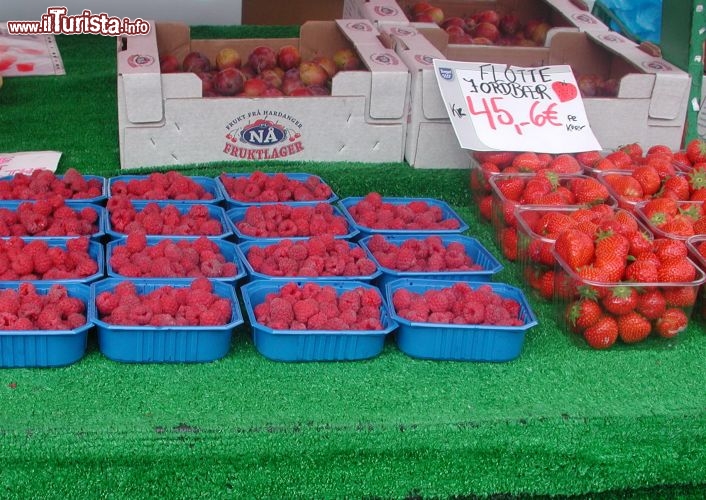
564	91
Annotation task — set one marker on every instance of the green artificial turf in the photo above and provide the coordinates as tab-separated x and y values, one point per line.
561	420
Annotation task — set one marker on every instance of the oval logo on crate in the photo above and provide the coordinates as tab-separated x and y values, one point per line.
584	18
386	59
360	26
383	11
139	60
263	135
424	59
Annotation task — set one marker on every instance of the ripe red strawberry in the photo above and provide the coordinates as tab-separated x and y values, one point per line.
603	333
511	186
680	225
527	162
588	158
633	327
642	270
575	248
678	185
611	252
649	179
620	300
640	243
546	284
651	304
671	323
680	296
696	151
508	238
658	210
625	186
589	190
676	270
499	158
634	151
666	249
582	314
564	164
620	158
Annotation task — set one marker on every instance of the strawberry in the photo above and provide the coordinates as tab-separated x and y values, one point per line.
620	300
588	158
625	186
640	243
605	165
546	284
679	225
511	186
676	270
603	333
633	327
575	248
673	321
678	186
582	314
589	190
634	151
657	210
680	296
620	158
696	151
659	149
666	249
642	270
649	179
499	158
697	179
527	162
611	252
651	304
508	240
564	164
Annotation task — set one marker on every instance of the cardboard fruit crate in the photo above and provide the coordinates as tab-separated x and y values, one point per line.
164	120
651	100
561	14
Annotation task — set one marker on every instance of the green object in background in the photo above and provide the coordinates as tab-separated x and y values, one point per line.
684	48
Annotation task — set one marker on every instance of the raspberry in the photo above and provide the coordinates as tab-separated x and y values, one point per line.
405	259
298	251
50	318
305	309
281	311
210	318
136	241
202	284
497	315
329	309
371	297
437	301
106	302
474	313
317	322
22	264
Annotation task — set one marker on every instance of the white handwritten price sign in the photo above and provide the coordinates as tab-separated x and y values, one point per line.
510	108
26	162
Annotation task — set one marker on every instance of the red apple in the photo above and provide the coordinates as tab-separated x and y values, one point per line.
228	58
346	60
487	16
168	63
207	81
610	87
464	39
247	71
300	92
326	63
312	74
454	21
288	57
289	85
272	92
436	14
196	62
262	58
254	87
422	17
420	7
486	30
229	81
509	24
454	30
319	90
272	77
539	33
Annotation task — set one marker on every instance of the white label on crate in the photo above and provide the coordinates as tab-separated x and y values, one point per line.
701	121
27	162
500	107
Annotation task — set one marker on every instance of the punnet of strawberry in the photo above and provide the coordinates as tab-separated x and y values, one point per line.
633	157
644	184
170	185
259	187
489	163
609	287
510	191
44	184
669	218
538	228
